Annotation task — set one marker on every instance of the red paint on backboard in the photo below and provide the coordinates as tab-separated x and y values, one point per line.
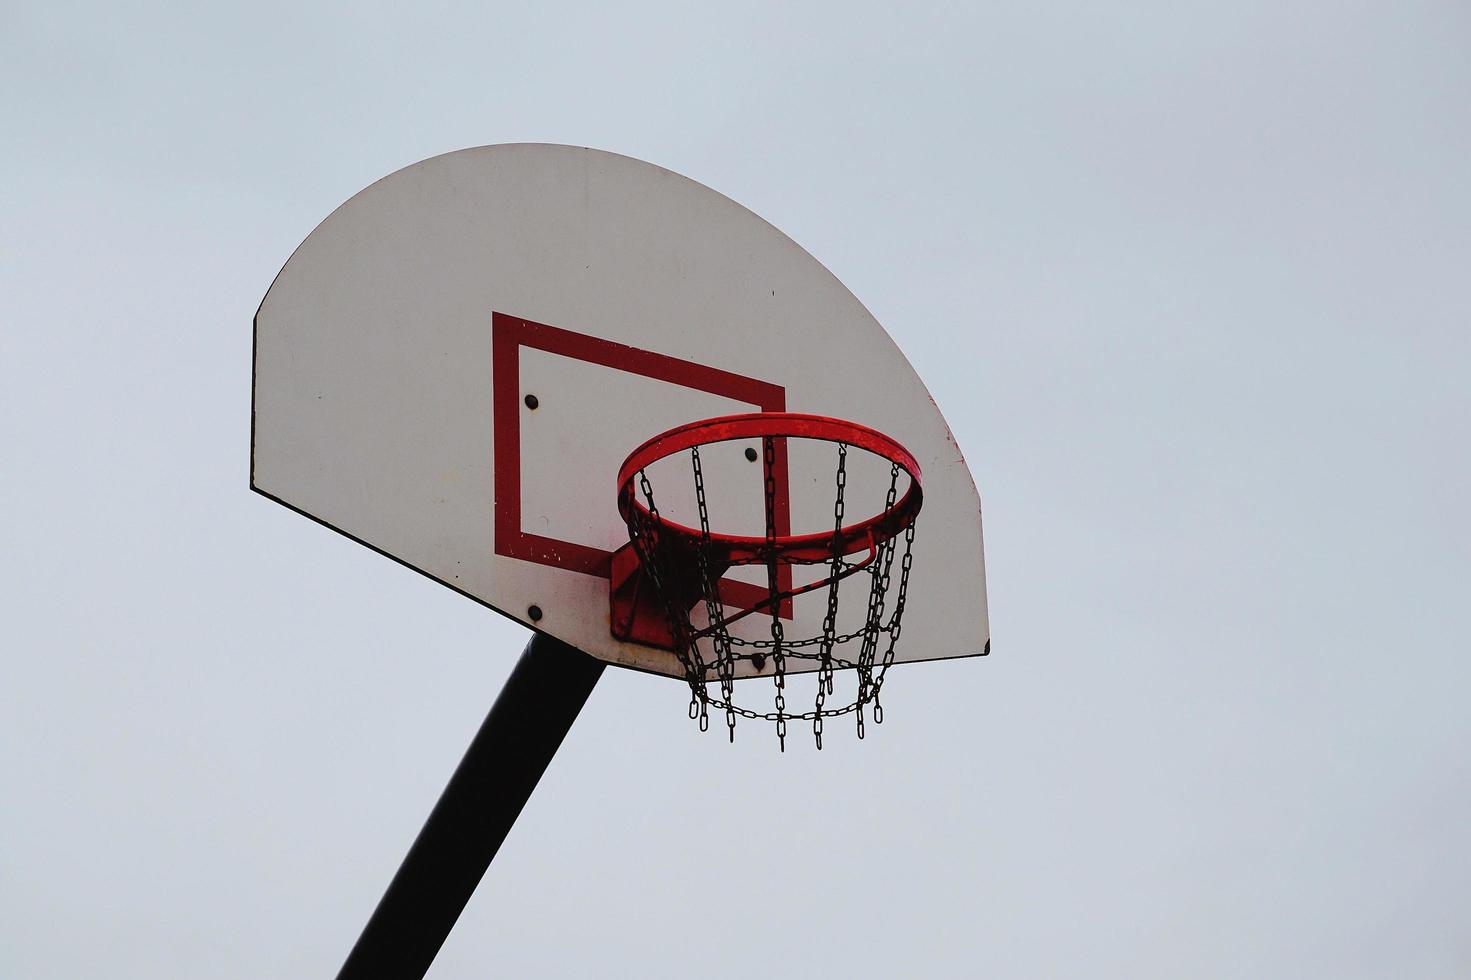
511	333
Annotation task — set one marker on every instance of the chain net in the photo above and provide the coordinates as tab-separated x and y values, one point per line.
709	654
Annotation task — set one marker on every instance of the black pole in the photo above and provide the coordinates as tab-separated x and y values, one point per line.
531	716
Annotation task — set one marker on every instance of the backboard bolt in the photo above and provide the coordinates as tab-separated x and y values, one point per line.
750	454
532	402
533	613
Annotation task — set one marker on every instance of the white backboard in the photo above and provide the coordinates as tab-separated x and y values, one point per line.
395	350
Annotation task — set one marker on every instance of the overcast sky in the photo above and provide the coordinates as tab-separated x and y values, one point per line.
1190	283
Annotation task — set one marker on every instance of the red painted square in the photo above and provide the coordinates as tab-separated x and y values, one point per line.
508	335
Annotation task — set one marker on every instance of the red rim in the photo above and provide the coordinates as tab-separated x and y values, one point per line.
791	425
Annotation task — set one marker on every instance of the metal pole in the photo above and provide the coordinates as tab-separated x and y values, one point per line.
532	714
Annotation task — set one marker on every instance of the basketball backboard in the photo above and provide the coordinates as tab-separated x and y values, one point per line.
453	365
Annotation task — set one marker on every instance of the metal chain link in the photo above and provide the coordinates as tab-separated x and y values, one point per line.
830	620
645	540
714	608
896	622
779	663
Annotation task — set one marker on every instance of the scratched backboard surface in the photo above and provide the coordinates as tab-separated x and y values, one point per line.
395	350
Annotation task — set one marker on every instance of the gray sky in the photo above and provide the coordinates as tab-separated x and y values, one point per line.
1189	282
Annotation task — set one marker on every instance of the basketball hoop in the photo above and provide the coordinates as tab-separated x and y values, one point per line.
669	570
